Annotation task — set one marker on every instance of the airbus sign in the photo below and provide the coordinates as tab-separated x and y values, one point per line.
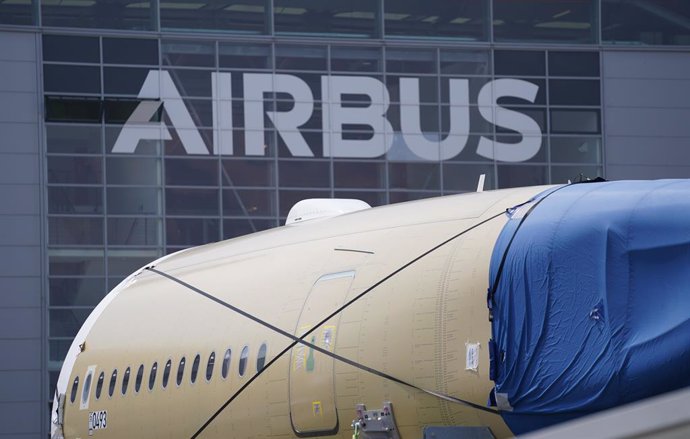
160	90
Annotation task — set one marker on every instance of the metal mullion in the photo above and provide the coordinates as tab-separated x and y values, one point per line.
104	173
440	116
386	164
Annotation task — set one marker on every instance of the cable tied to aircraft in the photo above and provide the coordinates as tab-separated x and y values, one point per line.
301	339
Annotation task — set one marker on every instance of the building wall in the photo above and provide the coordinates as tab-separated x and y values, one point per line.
22	402
646	114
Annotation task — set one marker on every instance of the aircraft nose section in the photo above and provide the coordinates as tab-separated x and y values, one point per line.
593	300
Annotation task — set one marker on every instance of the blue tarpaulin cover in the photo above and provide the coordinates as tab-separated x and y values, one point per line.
592	309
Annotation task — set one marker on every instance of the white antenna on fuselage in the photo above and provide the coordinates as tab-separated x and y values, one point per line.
480	183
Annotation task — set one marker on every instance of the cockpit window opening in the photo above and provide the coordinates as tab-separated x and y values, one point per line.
113	381
140	377
152	375
195	368
180	370
73	393
99	385
125	380
261	357
210	365
166	372
244	355
87	387
226	363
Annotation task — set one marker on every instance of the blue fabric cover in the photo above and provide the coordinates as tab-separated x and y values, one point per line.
593	306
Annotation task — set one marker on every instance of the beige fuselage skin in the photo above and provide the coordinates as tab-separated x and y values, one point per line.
415	327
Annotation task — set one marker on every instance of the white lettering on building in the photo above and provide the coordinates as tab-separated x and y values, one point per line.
159	90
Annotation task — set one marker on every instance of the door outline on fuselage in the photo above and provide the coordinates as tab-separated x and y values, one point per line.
339	284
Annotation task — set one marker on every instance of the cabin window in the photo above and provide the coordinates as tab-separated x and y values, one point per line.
180	371
99	385
152	375
125	381
261	357
75	386
243	360
87	388
140	377
226	363
166	373
113	380
209	366
195	368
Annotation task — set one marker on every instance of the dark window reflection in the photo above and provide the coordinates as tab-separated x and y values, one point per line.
69	262
198	172
248	173
520	176
106	14
304	174
123	80
356	59
414	176
133	170
573	92
249	202
17	12
136	200
188	53
75	231
411	60
465	62
191	201
71	49
196	15
130	51
359	175
233	228
74	170
334	17
191	231
76	291
79	200
134	231
64	109
575	149
641	22
74	139
515	62
575	121
536	20
119	110
464	178
66	322
463	19
301	58
71	79
251	56
574	64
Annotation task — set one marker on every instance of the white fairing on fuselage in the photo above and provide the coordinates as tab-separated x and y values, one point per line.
278	269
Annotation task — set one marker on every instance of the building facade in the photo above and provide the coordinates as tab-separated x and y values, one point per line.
132	129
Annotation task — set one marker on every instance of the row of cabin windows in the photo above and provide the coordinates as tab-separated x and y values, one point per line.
210	365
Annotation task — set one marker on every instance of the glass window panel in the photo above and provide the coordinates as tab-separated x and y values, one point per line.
58	352
521	175
75	231
462	19
575	121
658	22
66	322
573	63
192	82
136	200
401	197
201	112
123	80
249	202
71	200
144	147
134	231
191	201
74	139
17	12
314	140
118	110
71	79
288	198
134	171
469	151
130	51
356	59
76	291
189	53
514	62
477	123
561	174
233	228
303	17
124	262
428	89
191	231
248	173
247	16
370	197
304	173
359	175
465	62
75	262
574	92
301	58
464	178
553	21
540	98
74	169
117	14
71	49
174	146
59	109
245	56
539	156
537	114
576	149
411	61
191	172
414	176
